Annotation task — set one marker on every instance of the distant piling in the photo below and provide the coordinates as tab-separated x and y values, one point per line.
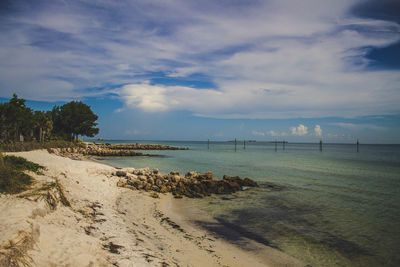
244	143
276	145
358	146
208	144
320	145
284	144
235	144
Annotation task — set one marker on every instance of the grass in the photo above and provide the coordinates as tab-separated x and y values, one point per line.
22	164
51	192
13	253
13	178
39	192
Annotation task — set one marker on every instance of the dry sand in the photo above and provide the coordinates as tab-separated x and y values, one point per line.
111	226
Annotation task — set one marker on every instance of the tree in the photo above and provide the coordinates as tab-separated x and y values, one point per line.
42	125
66	122
15	119
73	119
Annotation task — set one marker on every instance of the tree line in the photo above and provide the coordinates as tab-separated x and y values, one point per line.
20	123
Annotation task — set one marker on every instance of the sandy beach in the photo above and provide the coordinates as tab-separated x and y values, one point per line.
106	225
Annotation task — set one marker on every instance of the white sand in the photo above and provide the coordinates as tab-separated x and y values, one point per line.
102	214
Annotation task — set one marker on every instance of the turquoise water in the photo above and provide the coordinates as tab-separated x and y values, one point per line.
335	207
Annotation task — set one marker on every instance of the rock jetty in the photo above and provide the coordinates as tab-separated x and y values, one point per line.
138	147
192	184
109	150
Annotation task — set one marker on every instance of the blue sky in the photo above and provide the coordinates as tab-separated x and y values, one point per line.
192	70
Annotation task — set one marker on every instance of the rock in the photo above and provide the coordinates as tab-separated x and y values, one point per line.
142	178
208	175
155	171
122	182
140	185
159	182
131	171
129	187
235	186
176	178
155	188
164	189
154	195
192	174
248	182
120	173
193	184
220	190
131	176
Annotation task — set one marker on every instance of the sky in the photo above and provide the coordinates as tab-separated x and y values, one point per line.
299	71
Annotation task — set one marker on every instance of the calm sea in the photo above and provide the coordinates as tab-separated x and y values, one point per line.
335	207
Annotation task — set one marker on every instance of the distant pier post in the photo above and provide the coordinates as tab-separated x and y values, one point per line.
358	146
208	144
235	144
320	145
276	146
284	144
244	143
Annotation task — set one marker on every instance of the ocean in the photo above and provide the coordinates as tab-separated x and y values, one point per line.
338	206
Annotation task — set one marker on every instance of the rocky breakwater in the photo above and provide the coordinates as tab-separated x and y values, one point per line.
93	150
138	147
109	150
191	185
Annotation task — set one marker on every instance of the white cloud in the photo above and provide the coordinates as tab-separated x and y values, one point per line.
299	130
276	61
318	131
272	133
358	127
158	98
256	133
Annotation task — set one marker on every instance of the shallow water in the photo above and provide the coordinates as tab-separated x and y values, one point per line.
335	207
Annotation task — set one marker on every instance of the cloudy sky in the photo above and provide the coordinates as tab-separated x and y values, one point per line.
192	70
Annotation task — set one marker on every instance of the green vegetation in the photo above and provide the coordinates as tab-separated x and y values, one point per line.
22	129
73	119
32	145
13	179
18	123
22	164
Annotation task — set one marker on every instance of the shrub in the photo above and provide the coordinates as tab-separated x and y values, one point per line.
22	164
13	179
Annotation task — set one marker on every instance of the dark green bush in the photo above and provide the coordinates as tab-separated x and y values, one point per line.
12	177
13	181
21	164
